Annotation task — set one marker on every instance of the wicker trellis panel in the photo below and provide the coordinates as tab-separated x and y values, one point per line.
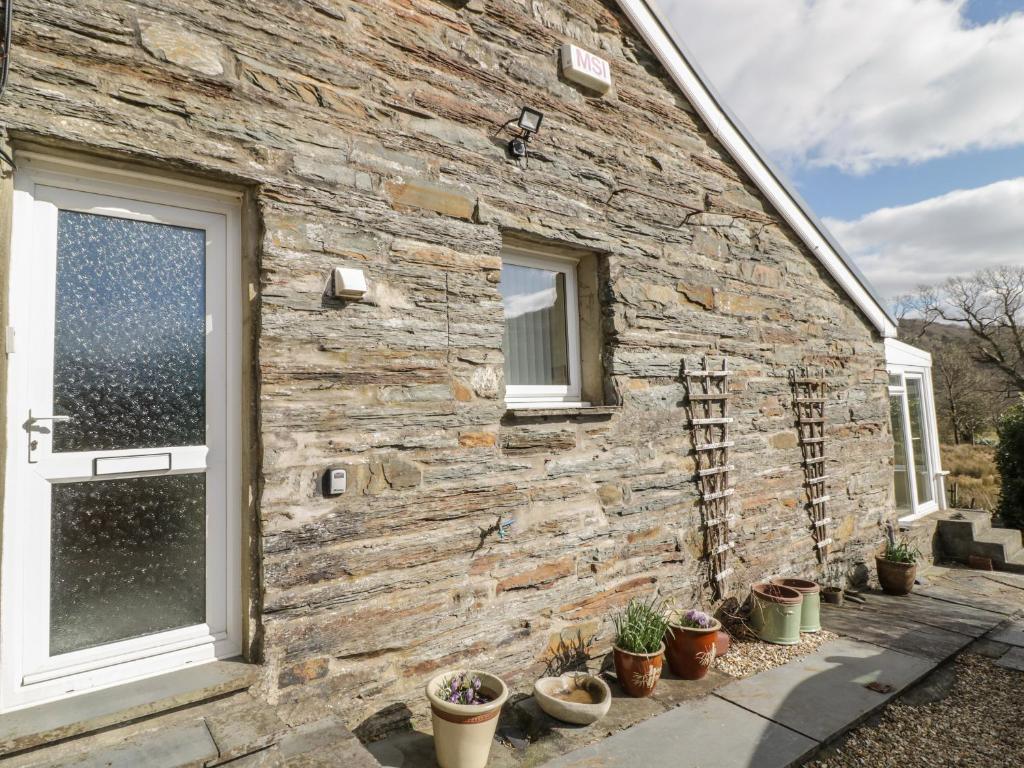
707	405
810	391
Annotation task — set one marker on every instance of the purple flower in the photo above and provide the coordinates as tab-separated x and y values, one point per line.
697	619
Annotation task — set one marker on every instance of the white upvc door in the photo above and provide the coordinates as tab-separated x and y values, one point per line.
121	510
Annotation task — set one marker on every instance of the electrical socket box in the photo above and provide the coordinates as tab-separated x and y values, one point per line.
335	481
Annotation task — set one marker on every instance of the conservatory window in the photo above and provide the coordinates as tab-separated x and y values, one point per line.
917	474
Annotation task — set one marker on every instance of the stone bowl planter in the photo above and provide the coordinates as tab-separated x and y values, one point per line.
463	732
638	673
895	578
579	699
691	650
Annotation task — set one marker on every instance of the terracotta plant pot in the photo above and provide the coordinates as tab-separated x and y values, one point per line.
895	578
690	650
463	732
722	643
638	673
832	595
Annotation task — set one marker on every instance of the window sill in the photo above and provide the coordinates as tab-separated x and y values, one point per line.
556	410
88	712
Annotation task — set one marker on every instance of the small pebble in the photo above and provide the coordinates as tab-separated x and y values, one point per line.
978	724
748	657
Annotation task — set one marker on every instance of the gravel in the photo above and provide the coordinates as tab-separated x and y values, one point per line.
977	723
747	657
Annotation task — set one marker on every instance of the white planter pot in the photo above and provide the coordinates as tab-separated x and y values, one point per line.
463	733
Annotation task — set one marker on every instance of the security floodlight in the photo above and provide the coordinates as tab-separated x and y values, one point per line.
529	121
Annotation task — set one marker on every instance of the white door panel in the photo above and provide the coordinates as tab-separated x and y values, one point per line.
120	516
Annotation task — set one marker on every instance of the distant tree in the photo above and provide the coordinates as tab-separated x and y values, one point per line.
1010	459
963	398
990	303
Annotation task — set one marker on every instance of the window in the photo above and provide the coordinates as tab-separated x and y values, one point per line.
916	481
542	337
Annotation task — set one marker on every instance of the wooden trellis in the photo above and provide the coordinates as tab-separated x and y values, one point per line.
810	390
707	402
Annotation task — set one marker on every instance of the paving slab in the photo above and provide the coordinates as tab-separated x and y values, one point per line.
888	630
823	694
954	617
185	745
1012	659
1012	634
711	733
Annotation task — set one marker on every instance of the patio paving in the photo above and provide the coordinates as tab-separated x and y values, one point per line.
895	642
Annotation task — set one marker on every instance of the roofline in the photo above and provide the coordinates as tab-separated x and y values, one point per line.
744	150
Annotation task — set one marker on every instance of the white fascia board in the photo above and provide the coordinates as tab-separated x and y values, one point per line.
751	161
901	355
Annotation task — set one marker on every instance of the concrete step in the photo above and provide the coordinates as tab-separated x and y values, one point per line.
1015	564
240	730
999	544
958	529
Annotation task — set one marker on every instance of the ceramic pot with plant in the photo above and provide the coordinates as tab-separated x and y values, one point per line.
897	567
691	643
832	595
465	705
639	650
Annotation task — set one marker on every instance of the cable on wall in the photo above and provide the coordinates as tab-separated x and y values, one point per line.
5	61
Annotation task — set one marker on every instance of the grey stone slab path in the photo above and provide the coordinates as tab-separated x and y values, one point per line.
895	632
824	692
776	718
1012	659
711	733
1011	634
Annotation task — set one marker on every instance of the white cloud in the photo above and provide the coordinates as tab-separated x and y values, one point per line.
859	84
954	234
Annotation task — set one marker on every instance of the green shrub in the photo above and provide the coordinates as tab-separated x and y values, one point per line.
640	628
1010	460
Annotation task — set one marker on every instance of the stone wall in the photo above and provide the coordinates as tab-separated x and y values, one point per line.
368	132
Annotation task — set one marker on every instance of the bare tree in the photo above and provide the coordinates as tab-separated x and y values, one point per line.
990	303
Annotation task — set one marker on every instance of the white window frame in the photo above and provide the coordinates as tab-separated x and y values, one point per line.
906	362
541	396
43	182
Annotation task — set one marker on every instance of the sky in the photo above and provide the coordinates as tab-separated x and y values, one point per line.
901	122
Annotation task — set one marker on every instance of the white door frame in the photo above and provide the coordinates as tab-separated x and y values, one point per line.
905	361
28	675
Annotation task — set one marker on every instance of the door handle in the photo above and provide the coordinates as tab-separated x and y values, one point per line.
30	427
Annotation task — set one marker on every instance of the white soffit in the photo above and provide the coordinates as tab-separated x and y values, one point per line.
901	355
742	149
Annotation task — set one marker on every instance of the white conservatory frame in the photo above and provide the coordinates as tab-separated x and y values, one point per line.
906	362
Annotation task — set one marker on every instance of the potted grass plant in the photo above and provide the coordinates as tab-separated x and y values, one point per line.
639	651
691	643
464	706
897	566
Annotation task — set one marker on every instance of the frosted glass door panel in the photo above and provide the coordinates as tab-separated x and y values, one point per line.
127	558
129	351
536	339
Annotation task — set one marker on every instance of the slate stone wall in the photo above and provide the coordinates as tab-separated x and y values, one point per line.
369	132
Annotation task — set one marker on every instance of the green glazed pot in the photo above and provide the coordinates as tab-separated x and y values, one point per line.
775	613
810	609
